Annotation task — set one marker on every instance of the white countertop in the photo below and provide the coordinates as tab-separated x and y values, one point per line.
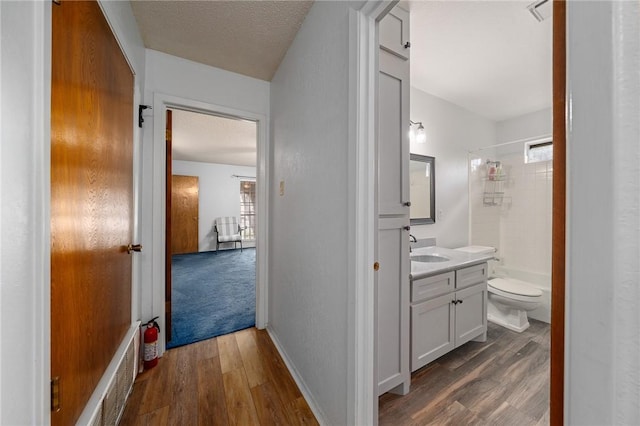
458	259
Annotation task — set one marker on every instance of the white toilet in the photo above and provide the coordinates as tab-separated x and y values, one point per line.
509	299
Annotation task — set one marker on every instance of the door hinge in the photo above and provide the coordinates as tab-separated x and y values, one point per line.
55	394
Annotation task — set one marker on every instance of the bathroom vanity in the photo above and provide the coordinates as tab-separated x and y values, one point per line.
448	301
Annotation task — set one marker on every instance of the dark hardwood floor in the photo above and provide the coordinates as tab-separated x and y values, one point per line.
504	381
237	379
240	379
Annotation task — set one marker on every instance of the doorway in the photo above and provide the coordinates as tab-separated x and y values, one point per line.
558	216
210	264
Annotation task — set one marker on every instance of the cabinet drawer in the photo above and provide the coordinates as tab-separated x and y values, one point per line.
472	275
426	288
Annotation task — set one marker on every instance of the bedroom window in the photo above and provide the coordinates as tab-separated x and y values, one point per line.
248	209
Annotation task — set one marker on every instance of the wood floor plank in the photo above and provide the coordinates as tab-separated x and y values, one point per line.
206	349
276	368
239	400
507	415
300	413
212	407
251	357
184	403
229	353
160	377
268	405
158	417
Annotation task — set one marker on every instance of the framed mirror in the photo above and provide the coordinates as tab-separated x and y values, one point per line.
422	189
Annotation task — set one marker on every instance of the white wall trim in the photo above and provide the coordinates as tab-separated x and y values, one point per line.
363	72
160	104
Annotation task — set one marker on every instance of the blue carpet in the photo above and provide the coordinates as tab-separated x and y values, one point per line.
212	294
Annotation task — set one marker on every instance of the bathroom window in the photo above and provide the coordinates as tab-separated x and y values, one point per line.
537	151
248	209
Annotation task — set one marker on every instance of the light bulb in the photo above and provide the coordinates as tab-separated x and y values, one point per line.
421	135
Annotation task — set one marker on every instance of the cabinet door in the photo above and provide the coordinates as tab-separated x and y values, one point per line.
432	330
394	32
471	313
392	295
393	135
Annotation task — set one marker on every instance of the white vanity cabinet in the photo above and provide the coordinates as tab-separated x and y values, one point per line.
447	310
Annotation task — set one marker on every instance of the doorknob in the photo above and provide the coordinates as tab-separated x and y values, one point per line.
134	247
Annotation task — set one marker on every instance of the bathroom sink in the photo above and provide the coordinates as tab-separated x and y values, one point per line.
430	258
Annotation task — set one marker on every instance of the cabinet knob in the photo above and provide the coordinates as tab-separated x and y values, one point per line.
406	228
407	45
376	266
454	302
407	203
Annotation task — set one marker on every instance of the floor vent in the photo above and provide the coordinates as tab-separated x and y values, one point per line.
110	397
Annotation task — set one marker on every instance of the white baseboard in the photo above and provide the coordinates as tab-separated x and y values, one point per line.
298	379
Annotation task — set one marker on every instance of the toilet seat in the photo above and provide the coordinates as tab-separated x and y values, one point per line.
511	288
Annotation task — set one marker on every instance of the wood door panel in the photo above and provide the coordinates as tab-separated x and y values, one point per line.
184	214
91	201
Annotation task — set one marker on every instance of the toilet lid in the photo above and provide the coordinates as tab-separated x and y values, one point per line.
514	286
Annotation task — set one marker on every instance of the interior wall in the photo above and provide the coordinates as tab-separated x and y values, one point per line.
451	133
218	195
168	75
602	342
25	251
526	126
309	288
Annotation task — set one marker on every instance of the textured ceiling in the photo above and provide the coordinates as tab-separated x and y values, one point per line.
246	37
490	57
210	139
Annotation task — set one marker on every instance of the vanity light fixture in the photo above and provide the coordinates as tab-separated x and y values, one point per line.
418	135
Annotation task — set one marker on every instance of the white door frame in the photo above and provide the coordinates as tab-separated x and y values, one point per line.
160	104
363	77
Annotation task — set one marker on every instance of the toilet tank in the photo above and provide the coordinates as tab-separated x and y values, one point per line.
483	250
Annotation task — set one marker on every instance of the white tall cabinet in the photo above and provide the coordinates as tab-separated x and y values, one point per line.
392	278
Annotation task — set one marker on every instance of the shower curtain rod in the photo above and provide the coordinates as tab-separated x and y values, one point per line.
536	138
244	177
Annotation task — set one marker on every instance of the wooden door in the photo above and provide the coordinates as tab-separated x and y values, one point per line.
91	201
184	214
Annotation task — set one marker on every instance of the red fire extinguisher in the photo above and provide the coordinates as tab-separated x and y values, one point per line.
151	344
